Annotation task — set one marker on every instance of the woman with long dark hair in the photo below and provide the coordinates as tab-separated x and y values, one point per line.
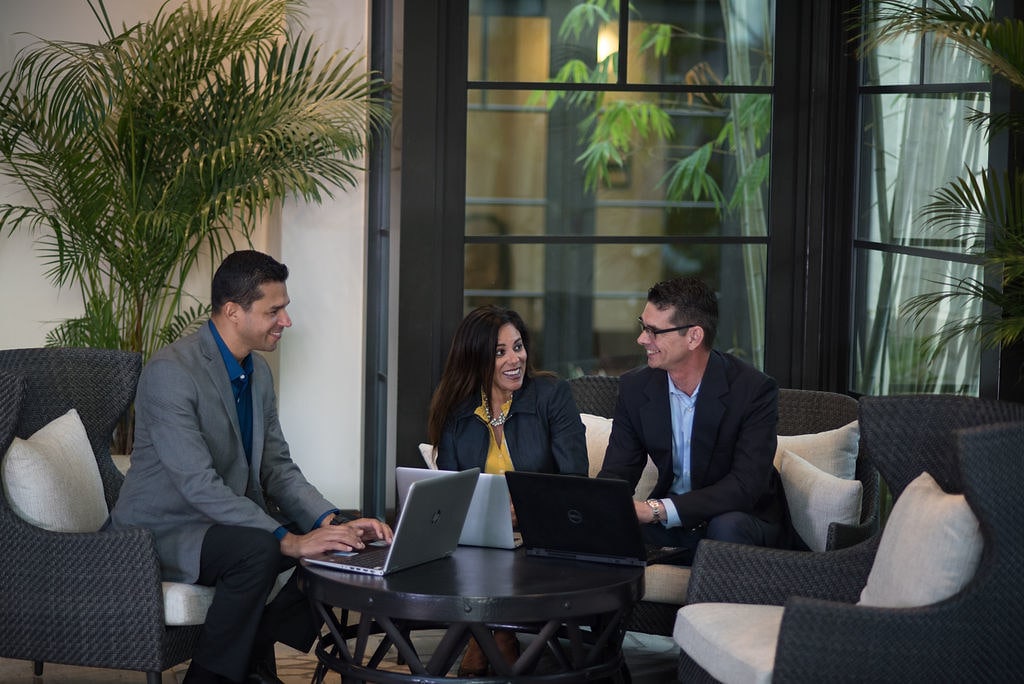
493	411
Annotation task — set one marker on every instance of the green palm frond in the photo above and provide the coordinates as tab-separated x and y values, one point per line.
152	150
999	44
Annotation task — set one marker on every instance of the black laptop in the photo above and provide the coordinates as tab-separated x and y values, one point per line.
576	517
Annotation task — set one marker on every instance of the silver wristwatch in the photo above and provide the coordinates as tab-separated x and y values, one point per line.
655	509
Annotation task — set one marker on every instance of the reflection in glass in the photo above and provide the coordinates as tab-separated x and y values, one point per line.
896	353
909	61
911	145
559	182
613	284
691	42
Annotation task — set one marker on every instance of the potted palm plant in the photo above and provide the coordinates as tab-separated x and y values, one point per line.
983	208
157	148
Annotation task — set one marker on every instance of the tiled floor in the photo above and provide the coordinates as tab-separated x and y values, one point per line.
651	659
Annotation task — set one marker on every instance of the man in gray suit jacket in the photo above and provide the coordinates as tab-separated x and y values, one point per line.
708	421
212	477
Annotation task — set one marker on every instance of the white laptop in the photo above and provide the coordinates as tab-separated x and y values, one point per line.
489	521
428	528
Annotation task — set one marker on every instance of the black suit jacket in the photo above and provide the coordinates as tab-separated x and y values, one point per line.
732	447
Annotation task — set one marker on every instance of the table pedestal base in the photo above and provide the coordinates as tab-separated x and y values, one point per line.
575	652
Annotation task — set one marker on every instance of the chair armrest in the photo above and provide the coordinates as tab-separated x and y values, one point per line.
736	573
71	585
841	536
828	641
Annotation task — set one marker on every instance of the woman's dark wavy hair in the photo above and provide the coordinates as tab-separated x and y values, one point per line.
470	364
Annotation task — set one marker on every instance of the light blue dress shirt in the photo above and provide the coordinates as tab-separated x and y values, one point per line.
682	407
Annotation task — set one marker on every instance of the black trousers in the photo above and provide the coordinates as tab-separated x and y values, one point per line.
734	526
242	564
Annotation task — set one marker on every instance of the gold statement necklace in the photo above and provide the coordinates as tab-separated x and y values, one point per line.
496	420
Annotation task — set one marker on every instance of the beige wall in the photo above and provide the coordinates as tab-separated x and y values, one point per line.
320	360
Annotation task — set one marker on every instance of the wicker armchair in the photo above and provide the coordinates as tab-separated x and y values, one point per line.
91	599
968	445
800	412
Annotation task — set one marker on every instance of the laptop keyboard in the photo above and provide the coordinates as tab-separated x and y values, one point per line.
370	558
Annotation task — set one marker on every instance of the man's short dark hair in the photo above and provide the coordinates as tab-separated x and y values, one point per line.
240	275
694	302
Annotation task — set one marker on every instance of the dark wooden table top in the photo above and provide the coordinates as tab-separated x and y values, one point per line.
481	585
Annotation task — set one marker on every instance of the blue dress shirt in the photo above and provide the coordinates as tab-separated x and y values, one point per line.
682	407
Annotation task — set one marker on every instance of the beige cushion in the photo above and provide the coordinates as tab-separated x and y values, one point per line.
665	583
51	479
816	499
187	604
599	429
429	454
834	451
734	642
929	550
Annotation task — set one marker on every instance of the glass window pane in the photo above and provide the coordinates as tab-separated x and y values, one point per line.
692	42
609	284
508	48
911	146
910	61
624	164
701	42
892	352
506	153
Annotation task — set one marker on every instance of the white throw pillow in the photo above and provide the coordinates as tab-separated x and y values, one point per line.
834	451
817	499
599	429
929	550
429	454
51	479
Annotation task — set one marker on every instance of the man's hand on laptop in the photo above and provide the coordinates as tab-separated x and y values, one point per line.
350	536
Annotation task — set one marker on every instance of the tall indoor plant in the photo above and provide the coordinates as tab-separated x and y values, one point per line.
984	207
147	152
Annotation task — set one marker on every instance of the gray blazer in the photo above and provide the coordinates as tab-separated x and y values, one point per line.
188	469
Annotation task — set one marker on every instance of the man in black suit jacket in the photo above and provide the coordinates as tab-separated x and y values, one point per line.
708	421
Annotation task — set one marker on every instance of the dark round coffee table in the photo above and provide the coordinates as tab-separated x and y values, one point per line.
575	610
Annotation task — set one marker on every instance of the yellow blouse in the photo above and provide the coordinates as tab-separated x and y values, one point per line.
498	458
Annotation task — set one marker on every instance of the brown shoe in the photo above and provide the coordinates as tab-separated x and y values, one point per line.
474	662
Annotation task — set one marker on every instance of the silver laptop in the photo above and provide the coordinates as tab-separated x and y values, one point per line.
489	521
428	528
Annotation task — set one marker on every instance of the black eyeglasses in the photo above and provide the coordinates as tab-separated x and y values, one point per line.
654	332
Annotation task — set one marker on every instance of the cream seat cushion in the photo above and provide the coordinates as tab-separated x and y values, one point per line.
734	642
187	604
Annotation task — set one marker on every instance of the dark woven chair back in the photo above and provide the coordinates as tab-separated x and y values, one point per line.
804	412
905	435
12	389
596	394
991	607
98	383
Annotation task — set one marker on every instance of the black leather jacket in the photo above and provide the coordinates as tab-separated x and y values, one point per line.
543	431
